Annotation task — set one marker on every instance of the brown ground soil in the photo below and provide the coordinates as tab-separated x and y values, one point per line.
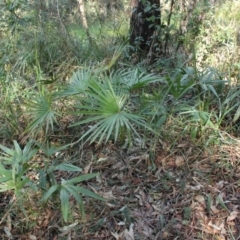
183	194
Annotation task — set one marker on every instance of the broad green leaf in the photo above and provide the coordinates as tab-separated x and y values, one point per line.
49	193
9	185
5	175
213	90
28	153
73	190
64	197
89	193
3	170
17	147
9	151
68	167
21	183
6	178
237	114
42	179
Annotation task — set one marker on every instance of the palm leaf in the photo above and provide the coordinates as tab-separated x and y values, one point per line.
107	111
72	190
49	193
64	197
88	193
41	112
81	178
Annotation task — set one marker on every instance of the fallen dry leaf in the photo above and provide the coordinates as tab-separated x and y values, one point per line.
232	216
214	209
220	184
200	199
107	195
179	161
87	168
125	235
214	226
32	237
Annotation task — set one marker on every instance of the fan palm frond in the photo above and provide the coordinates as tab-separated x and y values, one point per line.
41	112
108	111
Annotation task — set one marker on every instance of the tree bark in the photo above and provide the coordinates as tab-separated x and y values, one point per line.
145	20
84	18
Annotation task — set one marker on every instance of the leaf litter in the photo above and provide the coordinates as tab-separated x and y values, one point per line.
183	194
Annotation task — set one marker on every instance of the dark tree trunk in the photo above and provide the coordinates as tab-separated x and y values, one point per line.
145	20
238	36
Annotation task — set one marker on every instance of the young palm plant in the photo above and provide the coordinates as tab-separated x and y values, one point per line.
17	165
14	165
41	111
104	101
67	188
49	183
107	107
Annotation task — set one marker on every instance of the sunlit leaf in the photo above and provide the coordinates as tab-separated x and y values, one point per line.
64	197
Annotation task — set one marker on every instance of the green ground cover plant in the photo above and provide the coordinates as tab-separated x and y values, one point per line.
17	163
